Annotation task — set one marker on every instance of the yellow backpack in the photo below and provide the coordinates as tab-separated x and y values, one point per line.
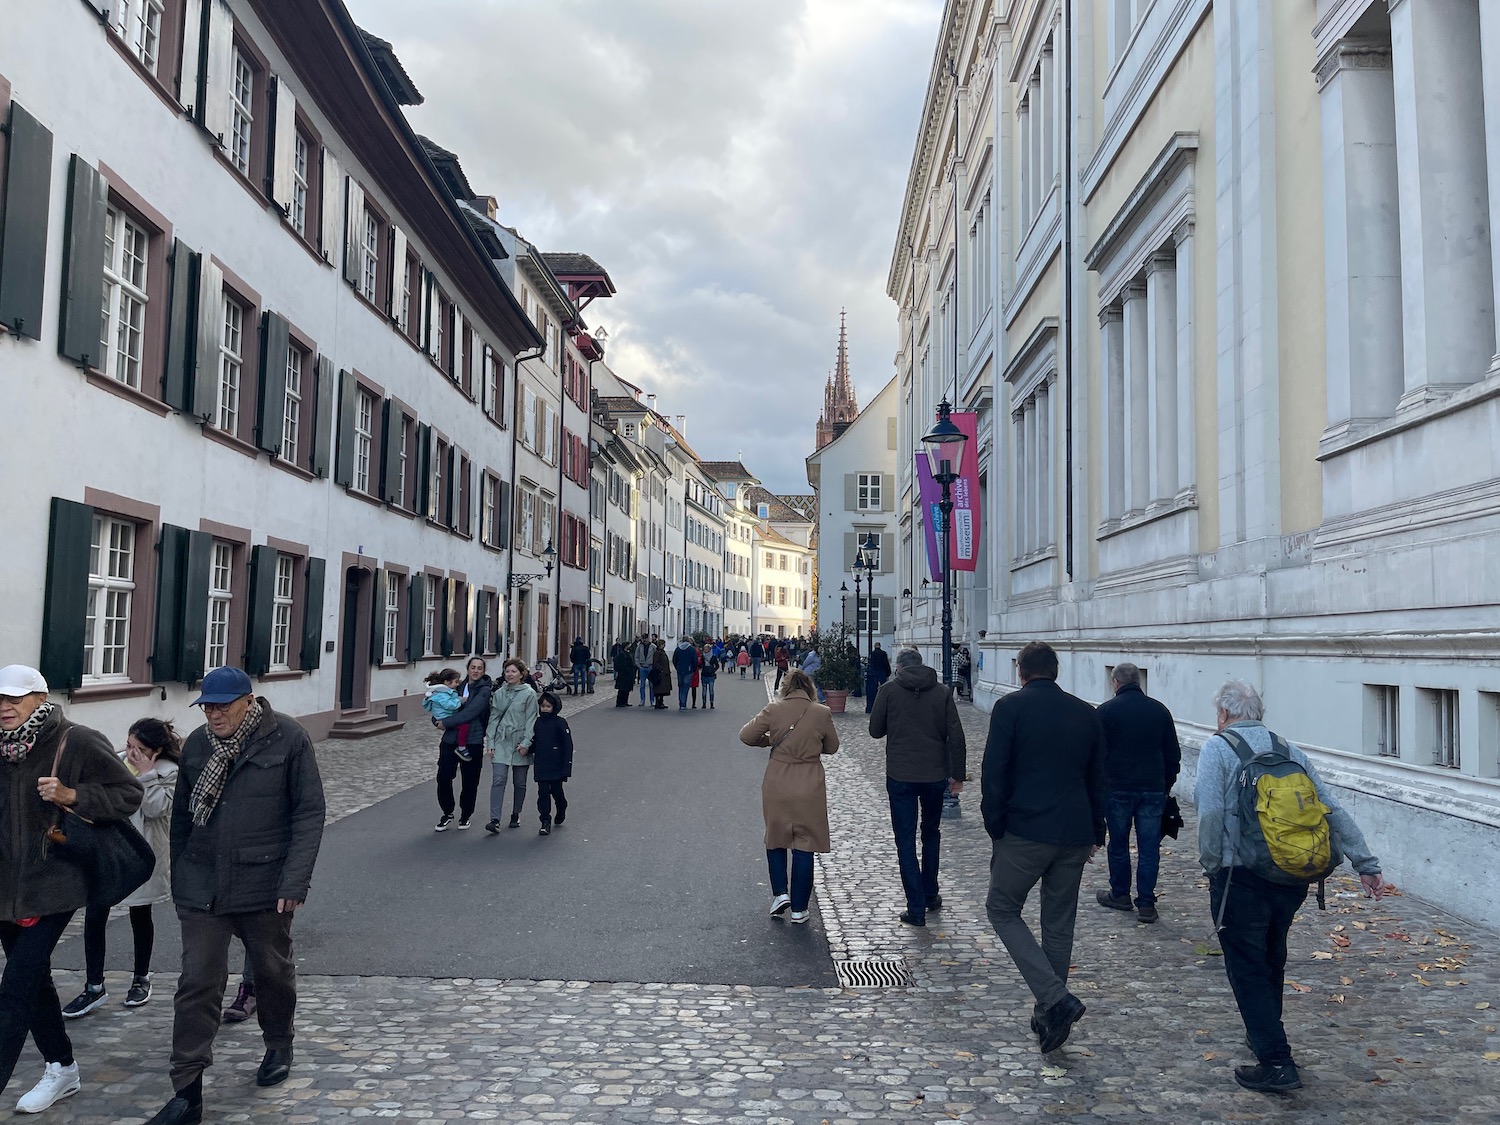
1284	836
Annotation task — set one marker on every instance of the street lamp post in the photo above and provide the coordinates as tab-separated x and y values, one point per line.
945	448
871	551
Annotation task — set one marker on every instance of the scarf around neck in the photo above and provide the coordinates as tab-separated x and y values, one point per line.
210	785
16	744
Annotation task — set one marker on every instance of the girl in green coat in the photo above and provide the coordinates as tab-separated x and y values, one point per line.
507	742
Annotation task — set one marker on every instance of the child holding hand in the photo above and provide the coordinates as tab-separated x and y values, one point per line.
442	699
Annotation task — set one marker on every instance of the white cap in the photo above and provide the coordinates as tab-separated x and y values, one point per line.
18	680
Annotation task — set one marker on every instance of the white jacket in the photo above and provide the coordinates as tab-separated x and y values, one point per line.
154	820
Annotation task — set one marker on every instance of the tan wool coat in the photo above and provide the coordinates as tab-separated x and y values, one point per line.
793	795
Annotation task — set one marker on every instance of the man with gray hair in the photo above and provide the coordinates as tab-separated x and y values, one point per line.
1141	760
1254	913
925	756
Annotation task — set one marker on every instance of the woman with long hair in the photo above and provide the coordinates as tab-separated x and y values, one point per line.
463	737
507	742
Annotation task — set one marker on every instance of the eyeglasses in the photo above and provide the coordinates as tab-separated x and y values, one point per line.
215	708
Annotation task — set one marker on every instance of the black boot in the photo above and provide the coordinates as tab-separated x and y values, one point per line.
515	820
275	1067
1278	1079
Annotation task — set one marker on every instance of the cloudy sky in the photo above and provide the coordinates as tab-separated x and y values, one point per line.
737	166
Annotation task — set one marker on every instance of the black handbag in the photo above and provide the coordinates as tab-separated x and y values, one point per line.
1171	818
114	857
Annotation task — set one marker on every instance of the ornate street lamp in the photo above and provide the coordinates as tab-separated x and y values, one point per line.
945	451
870	550
519	580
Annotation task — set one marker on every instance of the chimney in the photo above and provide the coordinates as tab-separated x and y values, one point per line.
490	206
681	423
651	402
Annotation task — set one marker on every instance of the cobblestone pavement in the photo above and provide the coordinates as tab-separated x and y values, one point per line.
1392	1014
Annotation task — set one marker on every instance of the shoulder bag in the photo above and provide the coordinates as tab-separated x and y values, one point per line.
782	737
114	857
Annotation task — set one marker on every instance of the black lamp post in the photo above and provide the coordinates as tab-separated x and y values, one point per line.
844	601
871	552
945	450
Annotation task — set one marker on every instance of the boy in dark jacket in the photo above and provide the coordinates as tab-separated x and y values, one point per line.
552	760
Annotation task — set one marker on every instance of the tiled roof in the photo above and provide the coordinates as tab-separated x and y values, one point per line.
727	470
621	404
569	265
402	88
780	510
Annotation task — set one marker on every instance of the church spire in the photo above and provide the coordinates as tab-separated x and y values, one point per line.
840	407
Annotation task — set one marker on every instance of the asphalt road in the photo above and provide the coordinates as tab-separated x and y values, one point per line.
657	876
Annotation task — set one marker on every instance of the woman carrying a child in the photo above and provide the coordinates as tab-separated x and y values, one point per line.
460	706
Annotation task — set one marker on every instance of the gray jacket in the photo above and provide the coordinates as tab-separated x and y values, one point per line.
1218	805
262	840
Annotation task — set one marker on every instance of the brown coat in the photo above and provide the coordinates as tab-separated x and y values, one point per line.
793	796
661	664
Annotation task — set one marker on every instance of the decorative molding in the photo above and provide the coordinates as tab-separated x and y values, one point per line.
1043	241
1162	572
1352	54
1185	501
1035	358
1456	505
1157	209
1335	443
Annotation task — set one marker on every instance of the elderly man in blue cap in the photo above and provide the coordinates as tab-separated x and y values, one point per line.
247	821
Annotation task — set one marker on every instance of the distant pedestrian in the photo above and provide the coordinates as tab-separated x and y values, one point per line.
963	667
507	743
645	655
1043	804
783	663
1253	897
794	794
661	674
877	671
152	751
811	664
757	654
743	661
1141	760
625	675
685	665
552	753
712	661
460	752
579	657
925	759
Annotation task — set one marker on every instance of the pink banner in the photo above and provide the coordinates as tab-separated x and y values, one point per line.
964	535
929	493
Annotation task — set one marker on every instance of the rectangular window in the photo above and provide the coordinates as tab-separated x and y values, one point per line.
111	591
487	504
781	595
770	598
438	508
369	270
291	426
781	563
231	362
281	614
526	525
429	616
867	620
770	560
393	583
364	436
869	492
300	184
1383	719
124	319
241	114
408	267
406	426
1442	726
220	597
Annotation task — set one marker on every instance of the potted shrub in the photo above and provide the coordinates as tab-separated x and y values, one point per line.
841	672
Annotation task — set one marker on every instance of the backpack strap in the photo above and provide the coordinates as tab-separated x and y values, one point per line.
1238	744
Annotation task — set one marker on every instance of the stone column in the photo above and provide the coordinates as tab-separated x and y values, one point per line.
1187	469
1038	129
1018	515
1489	48
1112	412
1137	400
1023	170
1161	331
1048	164
1028	416
1043	466
1447	284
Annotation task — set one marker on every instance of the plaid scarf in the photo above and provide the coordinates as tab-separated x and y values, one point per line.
210	785
16	744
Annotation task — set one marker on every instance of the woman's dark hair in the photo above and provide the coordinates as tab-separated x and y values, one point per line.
1037	661
444	676
484	665
549	697
158	736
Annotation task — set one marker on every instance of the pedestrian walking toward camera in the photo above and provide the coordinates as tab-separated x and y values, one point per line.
579	657
1141	760
661	674
513	711
247	822
712	662
793	792
1268	827
1043	803
644	653
152	750
742	659
877	671
625	675
47	765
925	758
552	755
783	665
460	752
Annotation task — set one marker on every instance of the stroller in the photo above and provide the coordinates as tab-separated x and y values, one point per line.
549	677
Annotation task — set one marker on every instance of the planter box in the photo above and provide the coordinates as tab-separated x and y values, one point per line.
836	700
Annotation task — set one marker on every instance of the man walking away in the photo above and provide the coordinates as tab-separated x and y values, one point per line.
1141	760
925	755
1254	906
1043	804
579	657
645	653
247	822
877	671
757	654
685	664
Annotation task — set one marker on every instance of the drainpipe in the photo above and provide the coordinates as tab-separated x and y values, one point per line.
1067	206
510	532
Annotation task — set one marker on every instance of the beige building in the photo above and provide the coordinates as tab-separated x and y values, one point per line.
1219	278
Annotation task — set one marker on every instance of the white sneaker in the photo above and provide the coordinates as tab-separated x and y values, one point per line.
779	904
800	917
57	1082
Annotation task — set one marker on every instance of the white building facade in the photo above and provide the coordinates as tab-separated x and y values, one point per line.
733	480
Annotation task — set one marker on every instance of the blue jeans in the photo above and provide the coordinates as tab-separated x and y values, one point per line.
872	689
580	678
918	878
802	875
708	690
645	682
755	666
1144	809
683	683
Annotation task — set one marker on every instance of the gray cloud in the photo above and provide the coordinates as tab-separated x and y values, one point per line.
737	166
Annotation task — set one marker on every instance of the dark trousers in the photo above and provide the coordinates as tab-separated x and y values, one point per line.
1144	810
622	696
780	672
1257	916
267	936
468	774
872	689
1017	865
919	878
802	875
28	999
95	922
546	793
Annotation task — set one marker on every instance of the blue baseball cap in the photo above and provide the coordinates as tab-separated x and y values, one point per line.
223	685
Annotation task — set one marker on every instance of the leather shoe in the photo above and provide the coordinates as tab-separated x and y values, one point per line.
1058	1020
275	1067
178	1111
911	919
1280	1078
935	903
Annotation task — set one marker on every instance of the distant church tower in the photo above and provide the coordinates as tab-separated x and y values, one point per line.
839	406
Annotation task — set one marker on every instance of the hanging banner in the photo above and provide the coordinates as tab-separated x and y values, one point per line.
930	494
964	536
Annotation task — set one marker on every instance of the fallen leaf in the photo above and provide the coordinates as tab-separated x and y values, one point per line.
1322	955
1338	929
1054	1072
1482	1005
1208	1056
1202	949
963	1054
1397	936
1423	981
1295	987
1341	942
1492	1056
1346	980
1370	1051
1337	998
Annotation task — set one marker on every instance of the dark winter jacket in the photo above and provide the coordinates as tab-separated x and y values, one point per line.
685	661
474	714
1141	752
661	672
35	879
711	668
262	840
625	670
757	651
552	749
879	665
924	739
1043	773
579	653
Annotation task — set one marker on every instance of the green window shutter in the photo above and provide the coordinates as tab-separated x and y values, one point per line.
312	615
422	490
23	232
276	343
503	515
455	470
65	600
887	492
171	562
197	562
481	621
182	313
849	608
390	477
416	608
887	554
322	426
851	492
83	263
851	549
377	618
262	605
887	620
343	469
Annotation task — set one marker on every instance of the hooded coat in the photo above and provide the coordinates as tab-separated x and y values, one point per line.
793	793
552	749
512	720
685	661
917	717
661	665
624	670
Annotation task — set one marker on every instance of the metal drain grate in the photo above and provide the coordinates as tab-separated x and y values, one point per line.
873	972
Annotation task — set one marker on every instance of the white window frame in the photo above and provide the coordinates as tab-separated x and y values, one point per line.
106	649
867	616
405	297
867	492
231	366
488	489
393	583
364	438
127	248
429	616
369	251
291	423
220	603
300	183
241	111
281	613
401	463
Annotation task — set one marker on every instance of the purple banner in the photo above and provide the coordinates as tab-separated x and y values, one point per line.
930	494
964	544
